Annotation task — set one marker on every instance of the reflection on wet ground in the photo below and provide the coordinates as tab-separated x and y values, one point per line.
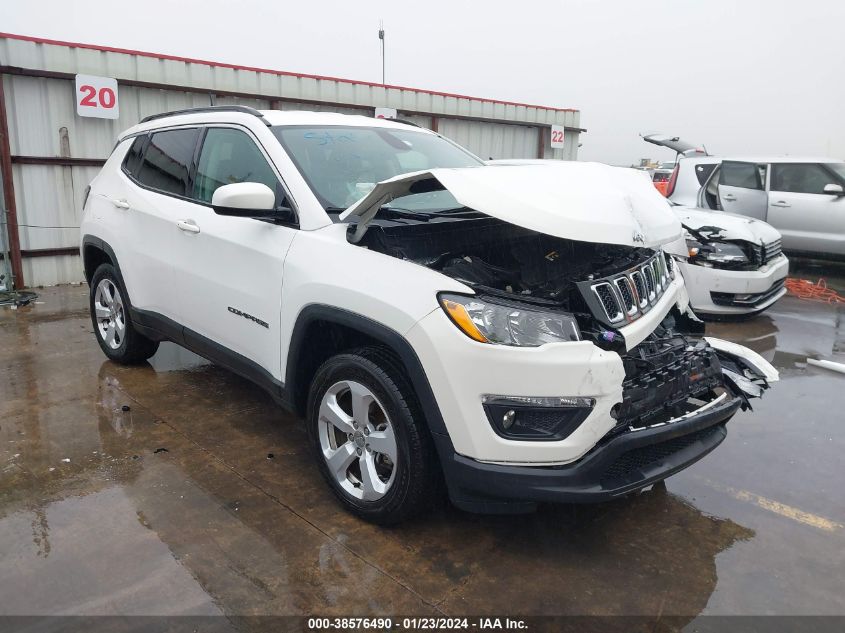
149	490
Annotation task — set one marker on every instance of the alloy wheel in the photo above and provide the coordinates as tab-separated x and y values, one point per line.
357	440
109	313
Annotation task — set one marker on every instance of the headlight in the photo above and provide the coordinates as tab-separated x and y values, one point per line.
488	322
715	253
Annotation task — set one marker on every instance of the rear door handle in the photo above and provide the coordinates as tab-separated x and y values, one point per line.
120	204
189	226
781	203
729	197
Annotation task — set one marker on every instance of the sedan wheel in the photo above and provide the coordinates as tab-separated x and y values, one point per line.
357	440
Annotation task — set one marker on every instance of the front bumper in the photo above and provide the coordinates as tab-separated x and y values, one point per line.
622	464
718	291
461	372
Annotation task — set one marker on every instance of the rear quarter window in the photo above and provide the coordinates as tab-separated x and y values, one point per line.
166	164
132	160
703	171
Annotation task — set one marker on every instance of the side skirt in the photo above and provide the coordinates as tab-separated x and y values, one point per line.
162	328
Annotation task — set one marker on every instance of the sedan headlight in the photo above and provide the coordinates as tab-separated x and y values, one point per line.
490	322
716	253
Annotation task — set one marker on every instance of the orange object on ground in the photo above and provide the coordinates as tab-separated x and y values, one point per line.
806	289
662	186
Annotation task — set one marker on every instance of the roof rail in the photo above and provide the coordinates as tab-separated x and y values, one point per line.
222	108
405	122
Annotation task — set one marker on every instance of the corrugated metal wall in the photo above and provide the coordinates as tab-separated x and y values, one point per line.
42	121
492	140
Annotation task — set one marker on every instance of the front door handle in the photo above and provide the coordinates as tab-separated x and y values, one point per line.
781	203
189	226
120	204
729	197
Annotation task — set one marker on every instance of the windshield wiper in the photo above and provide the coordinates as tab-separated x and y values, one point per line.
398	212
415	215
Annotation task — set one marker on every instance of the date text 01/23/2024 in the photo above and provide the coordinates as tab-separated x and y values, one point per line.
415	624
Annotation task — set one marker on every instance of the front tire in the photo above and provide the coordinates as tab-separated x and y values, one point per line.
369	437
109	305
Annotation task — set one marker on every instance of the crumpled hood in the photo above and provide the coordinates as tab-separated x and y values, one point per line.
589	202
735	227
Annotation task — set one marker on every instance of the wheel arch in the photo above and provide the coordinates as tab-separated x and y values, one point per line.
96	252
321	331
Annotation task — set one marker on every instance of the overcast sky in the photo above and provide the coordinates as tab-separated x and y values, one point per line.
740	76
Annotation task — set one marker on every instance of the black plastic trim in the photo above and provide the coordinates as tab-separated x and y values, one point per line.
390	338
481	487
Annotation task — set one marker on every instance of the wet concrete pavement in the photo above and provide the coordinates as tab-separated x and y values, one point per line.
203	499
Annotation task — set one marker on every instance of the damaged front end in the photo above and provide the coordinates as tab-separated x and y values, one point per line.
579	279
675	374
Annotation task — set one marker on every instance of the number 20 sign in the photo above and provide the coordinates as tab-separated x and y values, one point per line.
96	97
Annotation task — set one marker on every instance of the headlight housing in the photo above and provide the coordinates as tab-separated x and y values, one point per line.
489	321
717	254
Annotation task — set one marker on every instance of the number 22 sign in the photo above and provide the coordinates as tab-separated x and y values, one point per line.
557	136
96	97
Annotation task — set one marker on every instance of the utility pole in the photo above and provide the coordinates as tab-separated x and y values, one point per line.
381	39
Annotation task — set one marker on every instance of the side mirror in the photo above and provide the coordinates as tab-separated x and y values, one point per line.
249	200
835	190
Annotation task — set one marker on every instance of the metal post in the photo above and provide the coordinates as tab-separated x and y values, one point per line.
10	217
5	269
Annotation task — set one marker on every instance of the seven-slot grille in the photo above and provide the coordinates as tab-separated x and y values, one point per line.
631	293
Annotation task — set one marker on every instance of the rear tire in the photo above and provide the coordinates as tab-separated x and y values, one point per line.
369	437
109	305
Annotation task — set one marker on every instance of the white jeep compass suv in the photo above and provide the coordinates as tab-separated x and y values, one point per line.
515	331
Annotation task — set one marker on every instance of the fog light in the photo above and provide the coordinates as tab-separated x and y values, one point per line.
507	419
536	418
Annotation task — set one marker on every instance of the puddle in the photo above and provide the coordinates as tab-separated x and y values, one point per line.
172	357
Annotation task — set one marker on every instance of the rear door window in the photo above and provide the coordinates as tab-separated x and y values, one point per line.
167	161
229	156
736	174
800	178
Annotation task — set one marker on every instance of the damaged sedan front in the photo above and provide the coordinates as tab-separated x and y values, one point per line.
733	265
569	366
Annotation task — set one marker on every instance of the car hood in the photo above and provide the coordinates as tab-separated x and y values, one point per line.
588	202
731	225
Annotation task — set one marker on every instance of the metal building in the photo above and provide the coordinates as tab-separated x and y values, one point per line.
49	154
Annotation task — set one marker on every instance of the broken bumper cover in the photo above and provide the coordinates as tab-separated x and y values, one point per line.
622	464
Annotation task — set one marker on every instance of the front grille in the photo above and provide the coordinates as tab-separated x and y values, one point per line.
623	285
670	265
608	300
628	294
639	287
764	253
659	279
635	461
648	273
772	250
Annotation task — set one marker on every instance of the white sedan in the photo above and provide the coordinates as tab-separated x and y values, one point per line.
733	264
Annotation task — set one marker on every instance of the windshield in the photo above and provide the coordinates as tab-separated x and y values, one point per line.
837	168
342	164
